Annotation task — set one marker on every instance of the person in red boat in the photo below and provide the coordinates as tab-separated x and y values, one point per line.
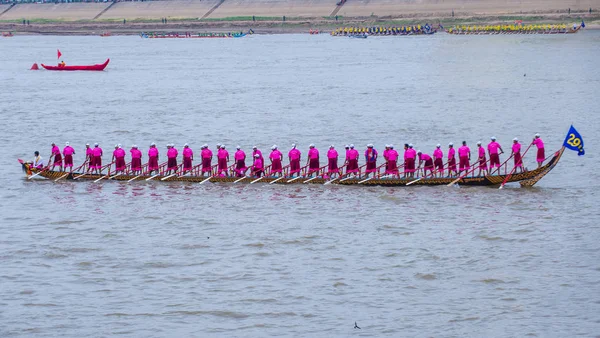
136	160
188	157
57	157
68	152
276	157
541	155
152	158
172	154
62	64
257	166
119	158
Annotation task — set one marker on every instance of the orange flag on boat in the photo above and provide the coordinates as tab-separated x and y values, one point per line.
58	53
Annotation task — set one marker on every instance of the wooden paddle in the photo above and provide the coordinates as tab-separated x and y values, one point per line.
277	179
164	178
258	179
133	179
32	176
464	175
514	168
151	177
63	176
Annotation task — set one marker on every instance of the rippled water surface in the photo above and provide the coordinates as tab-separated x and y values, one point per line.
83	259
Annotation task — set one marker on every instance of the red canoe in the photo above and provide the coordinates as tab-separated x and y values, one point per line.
98	67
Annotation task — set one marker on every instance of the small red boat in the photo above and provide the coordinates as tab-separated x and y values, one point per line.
98	67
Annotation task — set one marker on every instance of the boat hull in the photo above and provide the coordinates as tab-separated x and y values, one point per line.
98	67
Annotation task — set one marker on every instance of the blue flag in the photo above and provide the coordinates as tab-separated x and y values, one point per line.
582	24
574	141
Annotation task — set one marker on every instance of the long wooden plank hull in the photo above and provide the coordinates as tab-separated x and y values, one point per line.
528	178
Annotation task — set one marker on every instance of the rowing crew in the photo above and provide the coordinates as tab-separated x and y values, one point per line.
414	160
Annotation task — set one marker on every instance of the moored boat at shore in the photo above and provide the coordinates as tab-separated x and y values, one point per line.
509	29
187	35
98	67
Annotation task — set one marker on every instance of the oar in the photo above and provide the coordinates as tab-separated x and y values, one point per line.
240	179
295	178
63	176
101	178
133	178
164	178
276	180
349	177
464	175
331	181
206	180
310	179
258	179
151	177
119	174
32	176
78	176
415	181
365	180
514	168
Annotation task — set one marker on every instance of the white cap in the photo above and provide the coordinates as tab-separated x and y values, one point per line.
238	147
116	146
352	146
222	146
419	152
370	145
387	145
119	145
478	143
67	143
273	147
134	146
450	144
536	135
331	146
254	147
438	145
95	144
218	145
410	145
392	146
205	145
152	144
186	145
311	145
293	145
493	138
515	139
87	144
346	146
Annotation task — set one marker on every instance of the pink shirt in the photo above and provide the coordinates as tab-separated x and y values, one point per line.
275	155
258	163
481	152
97	151
153	152
385	153
135	153
68	150
438	153
332	153
352	154
516	147
538	142
493	147
313	153
206	153
119	152
464	151
392	155
222	153
187	152
55	150
172	153
451	153
239	155
89	152
255	152
424	157
294	154
410	153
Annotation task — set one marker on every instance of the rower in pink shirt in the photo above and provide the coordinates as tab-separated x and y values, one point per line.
258	166
426	162
256	151
332	158
371	159
68	152
516	153
276	157
385	153
347	147
152	158
438	160
136	160
240	162
313	160
541	155
352	160
294	156
58	162
392	161
97	153
119	158
451	160
464	157
172	154
89	156
222	161
482	159
207	156
493	148
188	157
410	156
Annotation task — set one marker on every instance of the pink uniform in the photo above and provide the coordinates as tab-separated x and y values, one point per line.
463	157
258	166
240	162
97	153
371	159
451	160
409	160
188	155
438	161
294	156
332	157
153	158
541	155
136	159
313	159
259	153
57	157
516	148
482	160
172	158
352	158
494	157
428	162
392	162
206	160
68	151
119	155
222	158
276	157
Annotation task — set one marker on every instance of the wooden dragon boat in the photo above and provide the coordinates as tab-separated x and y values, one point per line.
98	67
455	31
525	179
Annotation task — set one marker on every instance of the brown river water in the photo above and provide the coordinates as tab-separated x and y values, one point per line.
151	259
